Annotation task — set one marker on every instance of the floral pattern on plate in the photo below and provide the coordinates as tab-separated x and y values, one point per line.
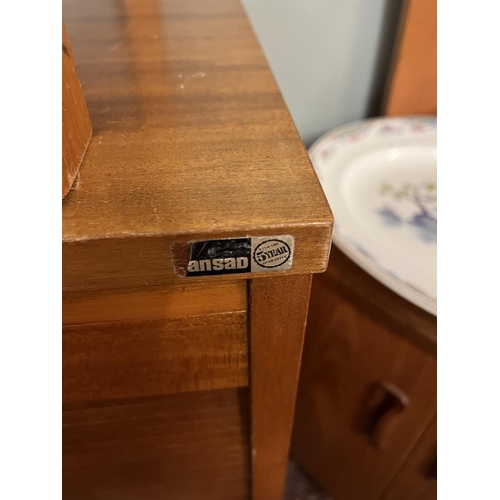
379	176
415	205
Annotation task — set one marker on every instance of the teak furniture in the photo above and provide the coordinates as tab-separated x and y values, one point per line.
178	386
366	405
365	423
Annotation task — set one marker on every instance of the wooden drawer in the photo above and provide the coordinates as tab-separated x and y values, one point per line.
155	393
125	356
144	358
365	396
181	446
417	477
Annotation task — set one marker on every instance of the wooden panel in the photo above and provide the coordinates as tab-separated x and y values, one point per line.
383	305
76	126
118	263
192	141
338	434
278	316
189	446
197	299
412	90
417	477
130	359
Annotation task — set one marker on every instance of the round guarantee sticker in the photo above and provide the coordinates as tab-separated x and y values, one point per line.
271	253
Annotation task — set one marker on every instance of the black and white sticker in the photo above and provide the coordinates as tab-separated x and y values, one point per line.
241	255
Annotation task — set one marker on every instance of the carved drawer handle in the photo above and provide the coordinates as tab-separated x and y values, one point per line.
387	402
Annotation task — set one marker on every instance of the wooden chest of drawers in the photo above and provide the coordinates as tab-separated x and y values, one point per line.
177	386
365	422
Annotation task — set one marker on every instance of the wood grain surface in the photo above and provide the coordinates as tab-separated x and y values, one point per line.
365	395
197	299
383	305
108	361
189	446
412	86
76	126
192	141
417	477
278	316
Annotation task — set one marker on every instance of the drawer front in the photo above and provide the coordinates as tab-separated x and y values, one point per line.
181	446
120	344
120	360
417	477
365	397
155	393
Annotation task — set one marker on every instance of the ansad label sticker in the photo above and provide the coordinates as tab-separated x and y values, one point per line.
241	255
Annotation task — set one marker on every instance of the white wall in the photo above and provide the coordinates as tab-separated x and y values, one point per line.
323	54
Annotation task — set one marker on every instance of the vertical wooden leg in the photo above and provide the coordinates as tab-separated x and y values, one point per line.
278	317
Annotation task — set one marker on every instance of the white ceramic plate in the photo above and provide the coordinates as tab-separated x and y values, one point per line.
380	178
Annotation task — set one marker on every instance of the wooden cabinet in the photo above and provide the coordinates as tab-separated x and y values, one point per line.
367	391
179	385
417	477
